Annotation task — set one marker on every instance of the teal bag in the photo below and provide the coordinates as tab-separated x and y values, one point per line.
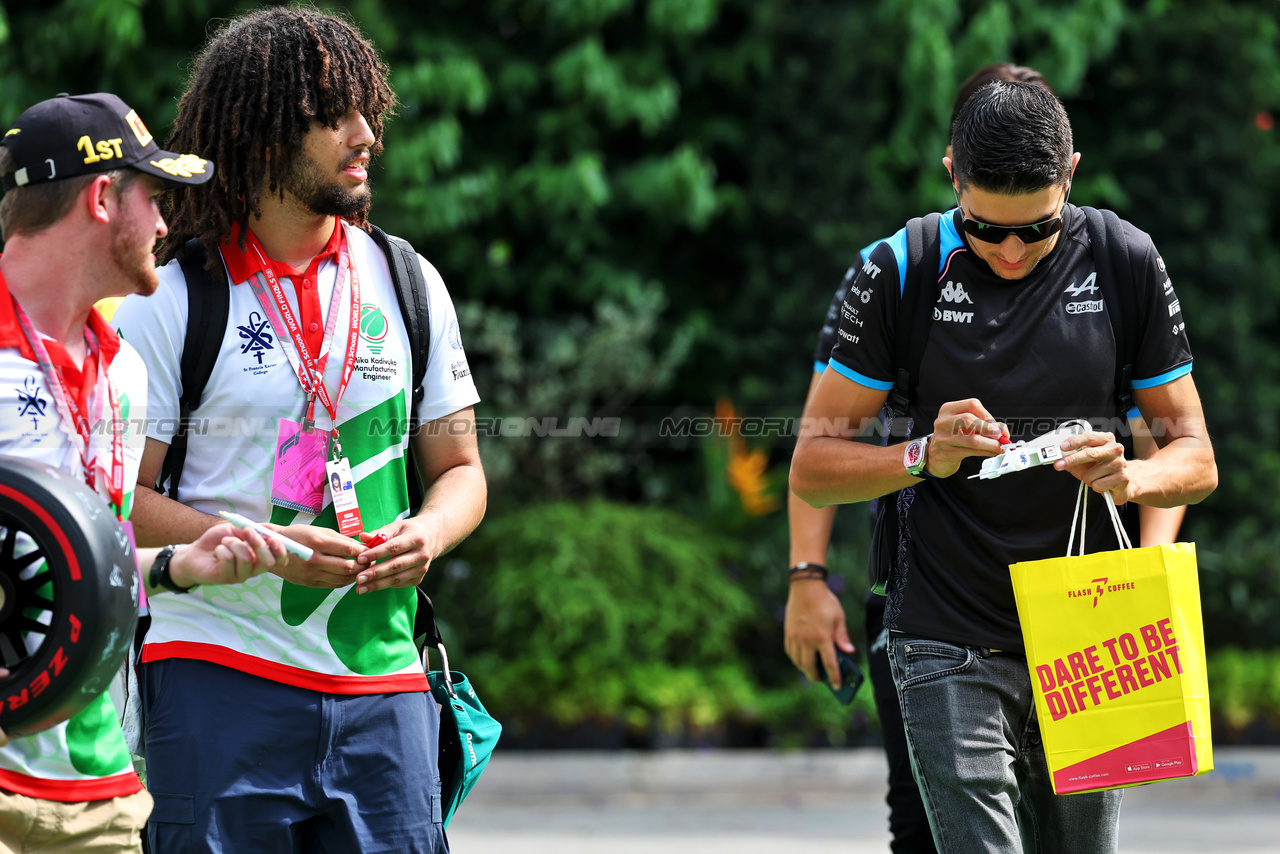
468	733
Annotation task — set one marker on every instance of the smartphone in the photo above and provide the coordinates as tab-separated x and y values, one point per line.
850	676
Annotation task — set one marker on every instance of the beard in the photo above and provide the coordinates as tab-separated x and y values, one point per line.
325	196
130	251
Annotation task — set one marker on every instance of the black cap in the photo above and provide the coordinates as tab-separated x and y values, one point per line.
74	135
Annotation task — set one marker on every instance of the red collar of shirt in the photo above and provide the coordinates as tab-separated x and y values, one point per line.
244	265
11	335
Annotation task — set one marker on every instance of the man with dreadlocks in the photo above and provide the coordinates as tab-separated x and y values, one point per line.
290	714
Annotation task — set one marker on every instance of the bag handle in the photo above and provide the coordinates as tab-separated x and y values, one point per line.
424	626
1081	514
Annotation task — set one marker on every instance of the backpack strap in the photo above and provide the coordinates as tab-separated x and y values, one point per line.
208	304
1117	281
915	311
411	292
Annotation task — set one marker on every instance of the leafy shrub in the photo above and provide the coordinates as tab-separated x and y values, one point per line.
1244	690
622	618
599	611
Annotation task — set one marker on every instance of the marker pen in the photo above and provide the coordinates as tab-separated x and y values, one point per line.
291	546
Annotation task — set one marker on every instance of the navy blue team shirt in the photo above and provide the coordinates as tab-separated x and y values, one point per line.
1037	352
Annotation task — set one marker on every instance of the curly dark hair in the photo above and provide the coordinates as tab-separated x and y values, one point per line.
254	91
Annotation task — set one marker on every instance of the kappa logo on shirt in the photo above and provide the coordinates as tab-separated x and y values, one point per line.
954	292
30	403
257	338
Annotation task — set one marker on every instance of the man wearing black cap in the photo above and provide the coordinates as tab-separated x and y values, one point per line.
80	219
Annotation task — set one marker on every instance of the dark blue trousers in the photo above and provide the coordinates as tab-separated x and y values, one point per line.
240	765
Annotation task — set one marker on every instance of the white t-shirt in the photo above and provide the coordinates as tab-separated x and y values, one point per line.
327	640
85	758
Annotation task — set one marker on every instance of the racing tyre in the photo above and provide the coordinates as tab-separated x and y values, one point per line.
68	595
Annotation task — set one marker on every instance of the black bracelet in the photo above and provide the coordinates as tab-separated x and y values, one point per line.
160	572
805	570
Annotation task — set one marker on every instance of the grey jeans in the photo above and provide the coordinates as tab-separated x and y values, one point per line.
971	727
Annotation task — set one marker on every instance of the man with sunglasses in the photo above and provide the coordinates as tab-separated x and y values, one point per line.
1021	331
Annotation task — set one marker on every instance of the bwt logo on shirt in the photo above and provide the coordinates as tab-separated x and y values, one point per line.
954	292
953	316
870	269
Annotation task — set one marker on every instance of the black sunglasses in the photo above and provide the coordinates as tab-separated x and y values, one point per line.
1031	233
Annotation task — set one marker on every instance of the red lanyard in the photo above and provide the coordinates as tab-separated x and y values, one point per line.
72	418
309	369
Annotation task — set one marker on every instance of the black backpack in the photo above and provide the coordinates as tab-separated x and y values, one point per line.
208	305
1116	279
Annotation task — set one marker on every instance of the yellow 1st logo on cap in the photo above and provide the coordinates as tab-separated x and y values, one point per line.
106	148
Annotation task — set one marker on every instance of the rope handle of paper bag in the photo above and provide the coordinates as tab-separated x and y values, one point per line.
1081	514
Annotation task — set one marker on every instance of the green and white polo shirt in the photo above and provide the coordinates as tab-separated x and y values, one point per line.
326	640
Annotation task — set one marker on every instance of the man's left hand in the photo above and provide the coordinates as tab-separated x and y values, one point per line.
401	561
1100	463
225	555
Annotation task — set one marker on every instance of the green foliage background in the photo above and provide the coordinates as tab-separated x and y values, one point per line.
642	206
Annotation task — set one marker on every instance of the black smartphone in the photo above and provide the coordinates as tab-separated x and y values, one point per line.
850	676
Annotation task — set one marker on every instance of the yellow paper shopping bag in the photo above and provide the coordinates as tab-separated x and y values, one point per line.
1115	646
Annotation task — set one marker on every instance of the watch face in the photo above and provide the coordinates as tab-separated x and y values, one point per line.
915	451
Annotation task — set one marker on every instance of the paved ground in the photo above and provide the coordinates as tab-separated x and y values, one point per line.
808	802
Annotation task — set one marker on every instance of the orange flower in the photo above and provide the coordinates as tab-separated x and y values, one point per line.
746	476
746	467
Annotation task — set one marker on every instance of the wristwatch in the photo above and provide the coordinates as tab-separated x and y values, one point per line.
160	572
916	456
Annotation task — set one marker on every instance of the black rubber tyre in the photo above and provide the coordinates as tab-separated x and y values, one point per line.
63	651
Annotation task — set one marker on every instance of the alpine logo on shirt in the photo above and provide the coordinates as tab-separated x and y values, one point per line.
1088	306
